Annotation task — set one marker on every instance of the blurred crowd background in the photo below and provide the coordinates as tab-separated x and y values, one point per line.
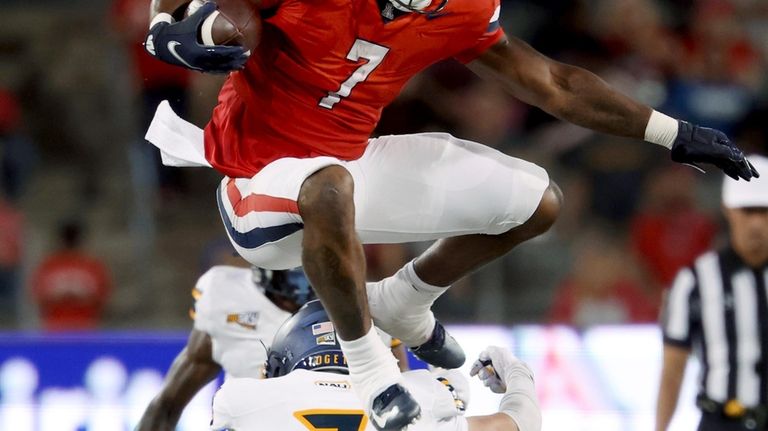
94	233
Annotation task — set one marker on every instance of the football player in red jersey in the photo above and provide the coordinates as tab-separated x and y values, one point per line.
305	185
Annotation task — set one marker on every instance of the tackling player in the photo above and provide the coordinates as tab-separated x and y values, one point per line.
307	389
305	185
237	312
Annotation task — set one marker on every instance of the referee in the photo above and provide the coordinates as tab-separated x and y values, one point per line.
718	309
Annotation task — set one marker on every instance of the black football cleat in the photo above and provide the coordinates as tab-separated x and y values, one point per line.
441	350
394	409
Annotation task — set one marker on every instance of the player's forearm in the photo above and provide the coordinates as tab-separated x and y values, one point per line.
582	98
192	369
159	417
567	92
494	422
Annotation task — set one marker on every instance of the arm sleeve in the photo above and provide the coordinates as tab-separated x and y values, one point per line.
492	35
678	316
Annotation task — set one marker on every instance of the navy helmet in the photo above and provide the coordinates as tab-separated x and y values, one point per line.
290	283
306	341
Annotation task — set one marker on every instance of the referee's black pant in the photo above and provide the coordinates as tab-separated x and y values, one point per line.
718	422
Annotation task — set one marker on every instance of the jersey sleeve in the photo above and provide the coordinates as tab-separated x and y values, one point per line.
492	35
679	314
201	312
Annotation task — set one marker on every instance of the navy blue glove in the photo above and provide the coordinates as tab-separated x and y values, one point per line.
696	144
177	44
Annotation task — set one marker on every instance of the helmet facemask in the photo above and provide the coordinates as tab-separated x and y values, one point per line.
290	284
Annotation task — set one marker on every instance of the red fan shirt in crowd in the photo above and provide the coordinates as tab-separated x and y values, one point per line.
620	302
667	242
71	290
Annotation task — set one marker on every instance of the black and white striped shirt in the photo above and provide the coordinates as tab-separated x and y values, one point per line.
719	308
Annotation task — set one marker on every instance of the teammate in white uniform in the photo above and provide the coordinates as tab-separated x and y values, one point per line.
240	319
307	389
237	312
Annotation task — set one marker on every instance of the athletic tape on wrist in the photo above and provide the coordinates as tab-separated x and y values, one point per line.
161	17
661	130
519	402
523	409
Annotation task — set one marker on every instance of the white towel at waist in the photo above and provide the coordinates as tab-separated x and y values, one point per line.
180	142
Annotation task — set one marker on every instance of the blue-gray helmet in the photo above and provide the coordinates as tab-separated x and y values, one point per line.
307	340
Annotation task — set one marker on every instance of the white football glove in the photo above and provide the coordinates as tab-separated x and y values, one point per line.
499	369
503	373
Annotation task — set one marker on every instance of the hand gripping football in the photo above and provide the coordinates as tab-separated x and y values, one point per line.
234	23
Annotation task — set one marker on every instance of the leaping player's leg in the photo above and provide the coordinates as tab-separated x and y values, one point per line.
332	255
298	211
450	259
410	293
333	260
432	186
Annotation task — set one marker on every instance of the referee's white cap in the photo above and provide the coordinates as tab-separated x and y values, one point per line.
743	194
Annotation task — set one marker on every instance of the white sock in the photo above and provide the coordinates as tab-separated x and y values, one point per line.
372	368
409	271
401	305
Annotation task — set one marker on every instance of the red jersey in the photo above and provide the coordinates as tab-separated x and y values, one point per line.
323	72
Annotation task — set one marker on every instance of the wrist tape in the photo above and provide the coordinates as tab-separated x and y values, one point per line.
520	404
661	130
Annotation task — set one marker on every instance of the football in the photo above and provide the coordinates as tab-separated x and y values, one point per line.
235	23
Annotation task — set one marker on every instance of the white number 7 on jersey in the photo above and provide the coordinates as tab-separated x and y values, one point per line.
360	49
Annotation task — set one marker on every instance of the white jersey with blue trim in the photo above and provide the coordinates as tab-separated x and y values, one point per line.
239	318
312	401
